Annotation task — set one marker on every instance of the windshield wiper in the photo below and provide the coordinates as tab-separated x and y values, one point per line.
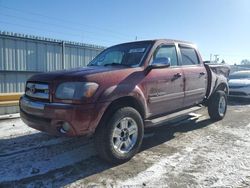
115	64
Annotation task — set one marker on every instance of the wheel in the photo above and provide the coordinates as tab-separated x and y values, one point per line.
119	138
217	105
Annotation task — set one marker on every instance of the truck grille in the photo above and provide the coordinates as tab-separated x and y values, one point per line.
37	91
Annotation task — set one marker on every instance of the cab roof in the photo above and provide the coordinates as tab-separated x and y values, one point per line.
162	40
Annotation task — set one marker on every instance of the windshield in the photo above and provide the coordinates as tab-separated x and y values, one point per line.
240	76
129	54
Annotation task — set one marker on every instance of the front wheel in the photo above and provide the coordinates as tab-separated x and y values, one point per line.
217	105
118	139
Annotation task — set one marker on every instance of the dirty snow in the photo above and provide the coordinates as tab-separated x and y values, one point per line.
191	153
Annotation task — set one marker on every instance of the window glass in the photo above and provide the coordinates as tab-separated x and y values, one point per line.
113	57
128	54
189	56
168	52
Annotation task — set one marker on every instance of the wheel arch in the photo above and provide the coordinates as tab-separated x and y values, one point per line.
125	101
223	87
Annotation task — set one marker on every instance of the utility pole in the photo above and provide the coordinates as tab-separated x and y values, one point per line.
216	57
135	38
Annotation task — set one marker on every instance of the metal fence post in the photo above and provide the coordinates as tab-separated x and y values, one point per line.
63	51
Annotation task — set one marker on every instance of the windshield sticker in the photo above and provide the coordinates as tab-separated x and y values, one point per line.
137	50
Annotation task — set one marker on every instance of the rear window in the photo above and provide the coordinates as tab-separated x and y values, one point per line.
189	56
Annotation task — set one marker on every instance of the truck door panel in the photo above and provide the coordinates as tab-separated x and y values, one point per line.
168	93
195	74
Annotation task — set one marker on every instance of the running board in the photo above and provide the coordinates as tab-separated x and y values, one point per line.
169	117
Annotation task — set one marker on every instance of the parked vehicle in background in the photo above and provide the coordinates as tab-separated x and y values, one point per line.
125	89
239	84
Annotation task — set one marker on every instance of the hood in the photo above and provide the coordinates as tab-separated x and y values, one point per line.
76	73
239	82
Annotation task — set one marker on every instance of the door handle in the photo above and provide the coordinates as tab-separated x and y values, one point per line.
202	73
177	75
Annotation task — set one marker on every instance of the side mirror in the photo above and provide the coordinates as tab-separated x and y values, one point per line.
159	63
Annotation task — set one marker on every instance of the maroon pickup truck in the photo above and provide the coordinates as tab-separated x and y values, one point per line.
125	89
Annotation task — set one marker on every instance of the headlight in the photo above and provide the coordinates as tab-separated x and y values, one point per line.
76	90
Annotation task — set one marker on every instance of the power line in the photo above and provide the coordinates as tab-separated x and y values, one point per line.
61	33
57	25
69	21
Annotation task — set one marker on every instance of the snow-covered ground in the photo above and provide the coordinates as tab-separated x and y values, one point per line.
191	153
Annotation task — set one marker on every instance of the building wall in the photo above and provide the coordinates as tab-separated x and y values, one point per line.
21	56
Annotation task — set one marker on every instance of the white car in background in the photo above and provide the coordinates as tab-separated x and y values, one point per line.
239	84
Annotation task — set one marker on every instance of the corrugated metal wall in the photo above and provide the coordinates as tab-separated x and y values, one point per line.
21	56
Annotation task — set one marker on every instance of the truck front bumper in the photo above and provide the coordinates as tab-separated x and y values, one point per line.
58	118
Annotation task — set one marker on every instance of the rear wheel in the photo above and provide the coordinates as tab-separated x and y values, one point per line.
119	138
217	105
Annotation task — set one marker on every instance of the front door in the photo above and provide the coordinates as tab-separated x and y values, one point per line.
167	93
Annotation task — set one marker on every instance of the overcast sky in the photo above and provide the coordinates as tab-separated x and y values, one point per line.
216	26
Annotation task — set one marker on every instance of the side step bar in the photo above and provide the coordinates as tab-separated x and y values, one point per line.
172	116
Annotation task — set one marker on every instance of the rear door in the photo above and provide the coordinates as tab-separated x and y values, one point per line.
195	76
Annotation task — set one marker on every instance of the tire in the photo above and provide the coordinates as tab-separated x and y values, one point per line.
217	105
114	140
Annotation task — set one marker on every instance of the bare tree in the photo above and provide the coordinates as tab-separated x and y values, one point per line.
245	62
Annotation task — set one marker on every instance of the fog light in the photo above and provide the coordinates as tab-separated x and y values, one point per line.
65	127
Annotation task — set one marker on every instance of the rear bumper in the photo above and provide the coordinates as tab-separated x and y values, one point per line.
50	117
